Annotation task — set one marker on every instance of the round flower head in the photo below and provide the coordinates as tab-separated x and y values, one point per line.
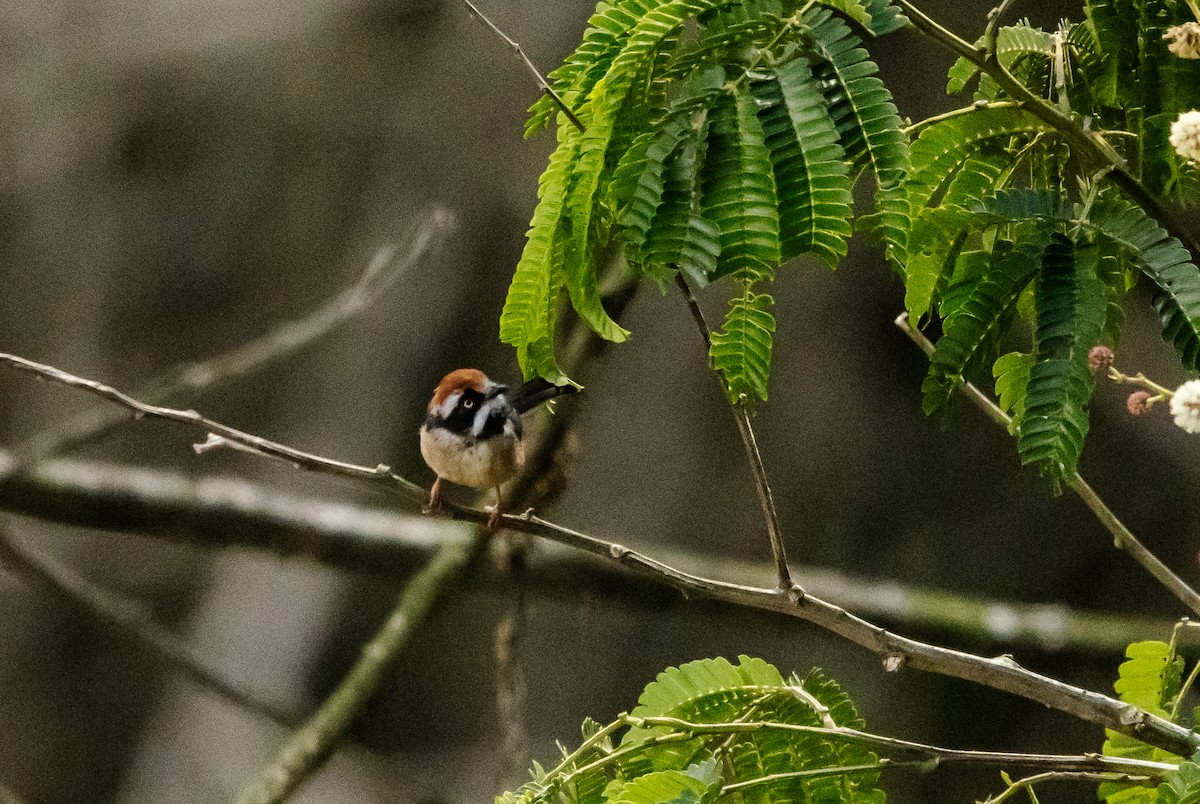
1138	403
1100	358
1184	40
1185	406
1185	135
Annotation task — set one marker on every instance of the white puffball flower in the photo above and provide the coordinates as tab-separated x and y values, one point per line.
1185	135
1184	40
1185	406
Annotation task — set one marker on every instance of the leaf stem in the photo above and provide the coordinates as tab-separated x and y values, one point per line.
974	107
1028	782
540	79
1123	538
741	415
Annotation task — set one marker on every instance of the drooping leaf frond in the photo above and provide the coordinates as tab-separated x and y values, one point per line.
1071	304
966	333
528	315
812	180
939	155
722	137
1166	262
859	104
1012	381
738	195
741	351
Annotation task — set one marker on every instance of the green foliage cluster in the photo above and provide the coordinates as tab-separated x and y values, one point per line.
1152	680
722	138
713	731
997	220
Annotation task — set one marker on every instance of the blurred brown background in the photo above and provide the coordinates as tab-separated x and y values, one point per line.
175	178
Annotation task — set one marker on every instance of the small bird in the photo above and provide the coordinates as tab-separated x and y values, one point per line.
472	433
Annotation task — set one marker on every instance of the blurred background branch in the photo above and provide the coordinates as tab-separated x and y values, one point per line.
187	381
231	512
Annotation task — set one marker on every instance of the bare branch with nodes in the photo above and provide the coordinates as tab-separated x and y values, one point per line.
1123	537
1002	672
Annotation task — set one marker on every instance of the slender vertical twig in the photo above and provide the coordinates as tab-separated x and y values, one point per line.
308	748
761	482
1123	538
542	83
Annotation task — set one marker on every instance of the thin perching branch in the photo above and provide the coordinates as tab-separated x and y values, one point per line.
542	83
235	512
1123	538
1002	672
746	430
189	379
308	748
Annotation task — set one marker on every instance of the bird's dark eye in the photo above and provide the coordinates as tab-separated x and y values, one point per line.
468	403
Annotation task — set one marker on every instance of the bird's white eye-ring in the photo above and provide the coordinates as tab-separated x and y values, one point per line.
468	403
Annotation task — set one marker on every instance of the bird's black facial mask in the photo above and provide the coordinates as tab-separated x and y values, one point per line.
478	415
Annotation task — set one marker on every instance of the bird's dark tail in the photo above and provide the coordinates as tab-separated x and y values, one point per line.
537	391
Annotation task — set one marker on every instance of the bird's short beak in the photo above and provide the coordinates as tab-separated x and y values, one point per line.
494	390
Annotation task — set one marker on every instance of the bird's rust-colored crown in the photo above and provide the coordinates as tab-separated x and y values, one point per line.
458	380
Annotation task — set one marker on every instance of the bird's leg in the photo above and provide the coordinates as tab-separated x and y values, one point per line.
434	504
495	520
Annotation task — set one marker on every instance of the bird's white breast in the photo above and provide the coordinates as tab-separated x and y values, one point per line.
471	462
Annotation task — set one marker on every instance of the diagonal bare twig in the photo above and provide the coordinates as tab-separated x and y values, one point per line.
542	83
1123	538
189	379
1002	673
762	484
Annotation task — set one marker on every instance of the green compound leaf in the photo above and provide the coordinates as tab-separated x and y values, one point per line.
1013	43
869	128
886	17
1150	679
704	726
1012	380
741	351
811	176
1071	303
939	154
1180	786
527	321
700	784
739	191
967	332
606	34
1166	262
